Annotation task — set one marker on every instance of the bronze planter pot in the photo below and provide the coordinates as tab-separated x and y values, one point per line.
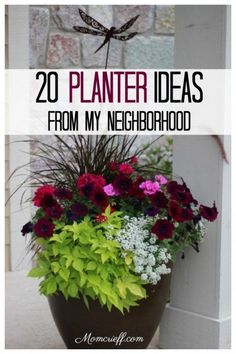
75	322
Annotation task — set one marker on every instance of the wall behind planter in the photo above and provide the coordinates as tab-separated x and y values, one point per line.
54	43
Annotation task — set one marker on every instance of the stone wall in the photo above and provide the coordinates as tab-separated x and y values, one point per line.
54	43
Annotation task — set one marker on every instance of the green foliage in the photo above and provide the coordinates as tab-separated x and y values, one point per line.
79	260
159	157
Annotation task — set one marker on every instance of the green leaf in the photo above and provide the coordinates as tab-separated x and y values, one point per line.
104	257
104	274
86	301
106	288
73	290
55	249
65	250
82	280
64	274
103	298
56	238
94	279
78	264
128	259
55	267
51	287
91	266
37	273
84	239
76	252
107	211
135	289
122	288
69	260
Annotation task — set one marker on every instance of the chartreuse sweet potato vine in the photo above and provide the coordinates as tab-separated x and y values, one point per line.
80	261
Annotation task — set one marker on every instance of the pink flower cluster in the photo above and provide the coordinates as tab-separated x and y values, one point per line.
150	187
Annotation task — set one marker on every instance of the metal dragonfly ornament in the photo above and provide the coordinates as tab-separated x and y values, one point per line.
100	30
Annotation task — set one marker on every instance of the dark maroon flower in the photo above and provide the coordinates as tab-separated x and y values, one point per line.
122	184
151	211
187	214
180	192
194	201
97	180
72	216
63	193
79	210
172	186
48	201
43	228
41	192
87	189
163	229
27	228
182	197
135	191
99	198
179	214
139	179
208	213
159	200
174	210
54	212
88	182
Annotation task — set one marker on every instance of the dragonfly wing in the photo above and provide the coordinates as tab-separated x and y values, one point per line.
92	22
125	38
88	30
127	25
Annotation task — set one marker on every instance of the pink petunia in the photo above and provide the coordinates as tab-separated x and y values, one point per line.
149	187
110	190
161	179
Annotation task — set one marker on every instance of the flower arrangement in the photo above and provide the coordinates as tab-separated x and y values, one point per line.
108	231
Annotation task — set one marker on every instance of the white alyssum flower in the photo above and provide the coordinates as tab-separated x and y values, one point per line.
150	259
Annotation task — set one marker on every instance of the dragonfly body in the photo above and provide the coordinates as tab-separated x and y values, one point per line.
100	30
107	38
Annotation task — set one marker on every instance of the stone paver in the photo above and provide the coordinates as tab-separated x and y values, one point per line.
103	14
63	51
68	16
92	60
150	53
38	32
124	13
165	19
